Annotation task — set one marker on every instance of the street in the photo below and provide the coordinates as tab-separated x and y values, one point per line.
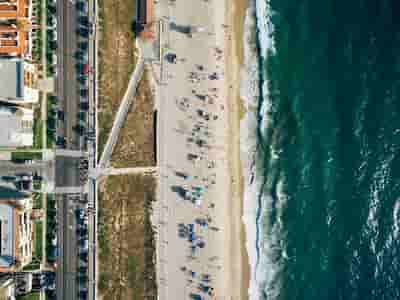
68	102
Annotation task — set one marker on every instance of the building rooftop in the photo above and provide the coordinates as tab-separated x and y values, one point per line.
12	9
6	235
11	78
12	40
17	127
9	189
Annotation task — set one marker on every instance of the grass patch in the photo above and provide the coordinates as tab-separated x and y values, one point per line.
135	147
37	185
38	239
31	296
105	119
37	200
26	155
38	134
104	280
34	265
126	245
135	279
115	63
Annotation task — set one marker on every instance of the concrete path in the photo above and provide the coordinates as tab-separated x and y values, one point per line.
44	72
122	113
44	229
122	171
99	172
71	190
70	153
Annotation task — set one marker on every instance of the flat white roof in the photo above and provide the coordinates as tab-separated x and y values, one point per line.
11	79
15	131
6	235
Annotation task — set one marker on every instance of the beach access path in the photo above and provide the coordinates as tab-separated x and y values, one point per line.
179	270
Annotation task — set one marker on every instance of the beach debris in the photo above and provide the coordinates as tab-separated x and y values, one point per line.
200	67
214	228
194	296
182	192
213	76
201	97
201	244
192	157
182	175
201	221
171	58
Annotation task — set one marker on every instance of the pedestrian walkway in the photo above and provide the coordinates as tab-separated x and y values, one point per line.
70	153
96	173
71	190
122	113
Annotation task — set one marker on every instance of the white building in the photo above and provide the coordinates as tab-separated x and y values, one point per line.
16	233
18	81
16	125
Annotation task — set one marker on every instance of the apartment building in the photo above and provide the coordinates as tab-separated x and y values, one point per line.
16	234
18	24
18	72
14	9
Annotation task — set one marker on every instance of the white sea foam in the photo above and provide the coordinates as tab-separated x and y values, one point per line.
396	219
264	271
248	142
265	27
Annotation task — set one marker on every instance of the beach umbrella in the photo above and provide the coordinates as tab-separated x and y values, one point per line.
195	296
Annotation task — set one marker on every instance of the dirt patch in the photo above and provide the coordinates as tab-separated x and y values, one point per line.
117	59
126	238
135	147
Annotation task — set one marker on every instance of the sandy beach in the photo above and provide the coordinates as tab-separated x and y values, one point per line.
235	15
200	235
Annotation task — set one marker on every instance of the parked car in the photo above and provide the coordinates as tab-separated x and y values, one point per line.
82	68
82	295
84	93
81	55
84	106
53	45
60	115
60	141
83	20
84	245
82	80
79	129
83	32
81	6
83	46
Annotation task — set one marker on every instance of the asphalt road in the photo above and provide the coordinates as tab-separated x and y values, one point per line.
67	171
67	85
67	259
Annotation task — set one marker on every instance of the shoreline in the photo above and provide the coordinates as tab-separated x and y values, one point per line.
238	256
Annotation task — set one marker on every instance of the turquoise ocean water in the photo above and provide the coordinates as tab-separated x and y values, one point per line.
328	151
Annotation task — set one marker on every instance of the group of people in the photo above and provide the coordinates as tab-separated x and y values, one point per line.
201	110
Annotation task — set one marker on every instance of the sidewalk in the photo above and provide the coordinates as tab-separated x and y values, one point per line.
44	73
